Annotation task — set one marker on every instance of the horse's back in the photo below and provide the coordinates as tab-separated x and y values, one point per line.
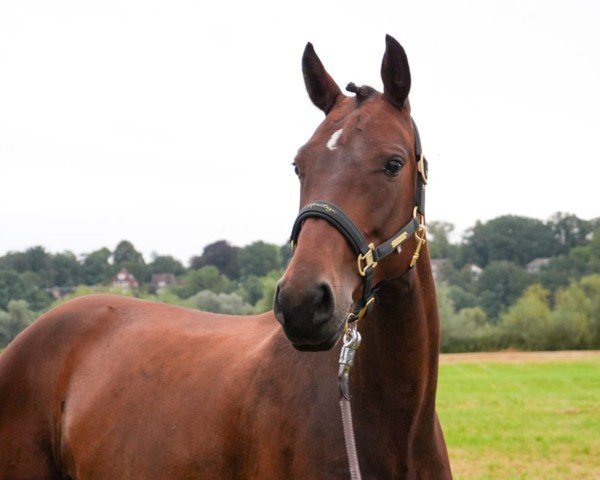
101	368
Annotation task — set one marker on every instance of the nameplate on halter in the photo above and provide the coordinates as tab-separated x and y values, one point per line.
399	239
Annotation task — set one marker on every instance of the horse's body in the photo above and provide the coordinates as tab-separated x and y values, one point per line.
109	387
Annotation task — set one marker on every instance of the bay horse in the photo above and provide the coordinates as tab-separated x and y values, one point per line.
108	387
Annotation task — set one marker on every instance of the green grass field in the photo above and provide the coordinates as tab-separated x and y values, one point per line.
522	420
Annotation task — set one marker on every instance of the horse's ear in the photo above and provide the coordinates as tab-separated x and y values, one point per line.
322	89
395	73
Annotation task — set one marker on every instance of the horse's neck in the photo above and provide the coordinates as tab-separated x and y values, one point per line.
395	376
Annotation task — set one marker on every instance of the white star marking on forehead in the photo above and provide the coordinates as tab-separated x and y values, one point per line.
331	144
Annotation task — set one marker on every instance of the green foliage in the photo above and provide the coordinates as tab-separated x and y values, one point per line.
581	260
126	256
465	330
138	270
268	286
221	255
259	258
126	252
228	303
96	267
14	320
25	286
509	238
438	239
11	287
568	231
576	315
251	289
499	285
479	309
165	264
527	324
206	278
462	298
67	271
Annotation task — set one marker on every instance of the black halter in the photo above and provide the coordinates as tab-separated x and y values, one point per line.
368	254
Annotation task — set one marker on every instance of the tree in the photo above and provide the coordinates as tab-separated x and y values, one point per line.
463	331
34	259
527	323
222	255
462	298
25	286
251	289
66	269
126	256
165	264
227	303
580	261
259	258
12	322
36	294
569	231
511	238
591	287
269	286
499	286
576	314
96	267
206	278
438	241
125	251
12	287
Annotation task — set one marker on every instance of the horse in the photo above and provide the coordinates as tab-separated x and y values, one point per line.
106	387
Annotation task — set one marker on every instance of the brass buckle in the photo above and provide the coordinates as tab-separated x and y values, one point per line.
420	241
422	230
368	259
419	216
421	168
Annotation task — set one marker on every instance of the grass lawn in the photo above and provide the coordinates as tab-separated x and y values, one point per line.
529	419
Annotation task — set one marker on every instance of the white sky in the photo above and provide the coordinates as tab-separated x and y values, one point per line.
174	124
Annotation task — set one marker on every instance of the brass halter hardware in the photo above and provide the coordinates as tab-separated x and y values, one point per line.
420	233
422	169
366	261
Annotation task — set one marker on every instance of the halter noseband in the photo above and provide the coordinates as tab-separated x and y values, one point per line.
368	254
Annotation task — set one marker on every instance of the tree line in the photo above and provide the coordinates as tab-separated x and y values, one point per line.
518	282
489	294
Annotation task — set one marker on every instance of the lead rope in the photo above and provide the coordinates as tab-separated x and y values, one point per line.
349	439
347	354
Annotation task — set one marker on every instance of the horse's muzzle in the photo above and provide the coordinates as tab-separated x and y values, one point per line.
307	315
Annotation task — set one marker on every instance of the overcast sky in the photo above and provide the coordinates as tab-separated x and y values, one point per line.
174	124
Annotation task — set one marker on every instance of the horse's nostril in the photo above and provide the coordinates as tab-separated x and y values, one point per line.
304	307
324	304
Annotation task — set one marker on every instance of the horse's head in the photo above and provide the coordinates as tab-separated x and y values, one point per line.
362	160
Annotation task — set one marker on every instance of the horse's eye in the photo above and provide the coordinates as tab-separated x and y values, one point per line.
393	166
296	169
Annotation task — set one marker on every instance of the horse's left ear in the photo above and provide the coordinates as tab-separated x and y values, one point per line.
322	89
395	73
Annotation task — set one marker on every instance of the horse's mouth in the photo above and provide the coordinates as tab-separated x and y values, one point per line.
312	346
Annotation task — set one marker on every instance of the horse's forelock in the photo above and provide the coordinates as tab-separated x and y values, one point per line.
363	92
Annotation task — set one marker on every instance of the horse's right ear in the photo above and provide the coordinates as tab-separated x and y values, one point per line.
395	73
322	89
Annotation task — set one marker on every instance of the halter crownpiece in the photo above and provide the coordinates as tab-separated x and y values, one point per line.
370	255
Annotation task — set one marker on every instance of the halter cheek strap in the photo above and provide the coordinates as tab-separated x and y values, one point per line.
368	255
